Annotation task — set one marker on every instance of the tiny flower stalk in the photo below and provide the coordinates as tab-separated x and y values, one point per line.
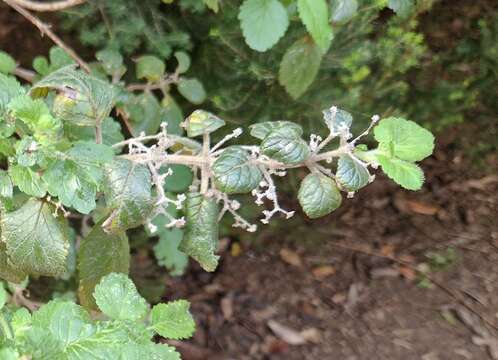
221	171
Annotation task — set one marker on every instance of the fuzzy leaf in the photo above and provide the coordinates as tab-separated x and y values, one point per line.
261	130
343	10
9	272
233	172
7	63
9	89
28	181
200	240
66	321
283	145
179	180
111	60
200	122
404	173
118	298
192	90
150	67
72	185
351	175
337	121
83	99
403	8
167	253
318	195
173	320
37	242
111	132
299	67
404	139
263	23
127	190
315	16
99	255
6	187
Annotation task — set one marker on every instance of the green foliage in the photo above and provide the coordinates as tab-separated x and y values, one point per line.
200	240
7	63
233	172
64	330
315	16
36	241
318	195
263	23
127	189
285	146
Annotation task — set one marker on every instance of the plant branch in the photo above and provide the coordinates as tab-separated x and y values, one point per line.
24	74
48	6
45	29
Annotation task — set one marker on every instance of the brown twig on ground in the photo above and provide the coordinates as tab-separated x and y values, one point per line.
45	29
48	6
452	293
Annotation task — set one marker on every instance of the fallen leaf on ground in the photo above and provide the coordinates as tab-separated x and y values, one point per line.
312	335
422	208
290	336
291	257
387	250
226	305
321	272
408	273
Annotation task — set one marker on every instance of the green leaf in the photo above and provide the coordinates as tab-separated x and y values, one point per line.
233	173
9	272
21	322
200	240
173	320
179	180
40	344
402	8
200	122
127	190
150	67
263	23
183	61
111	132
7	63
41	66
111	60
91	152
83	99
404	139
27	152
99	255
315	16
213	5
9	89
37	241
145	114
343	10
3	296
7	353
261	130
284	146
6	187
72	185
28	181
318	195
167	253
299	67
404	173
118	298
66	321
173	115
351	174
192	90
337	120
